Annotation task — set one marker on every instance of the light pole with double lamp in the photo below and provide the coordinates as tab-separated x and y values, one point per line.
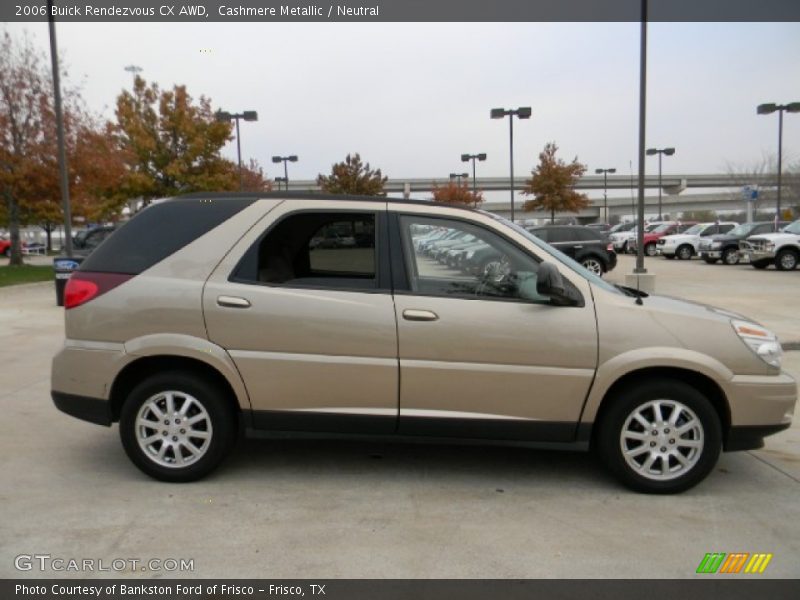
605	173
285	160
660	152
226	117
768	109
473	157
280	180
459	176
523	112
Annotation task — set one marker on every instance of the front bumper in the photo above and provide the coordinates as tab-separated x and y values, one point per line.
666	250
758	255
759	406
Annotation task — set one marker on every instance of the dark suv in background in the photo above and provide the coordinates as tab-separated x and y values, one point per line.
725	246
583	244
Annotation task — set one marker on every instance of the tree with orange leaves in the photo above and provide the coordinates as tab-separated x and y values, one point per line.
458	194
552	184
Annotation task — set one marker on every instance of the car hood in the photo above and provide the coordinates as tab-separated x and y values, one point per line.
776	237
680	237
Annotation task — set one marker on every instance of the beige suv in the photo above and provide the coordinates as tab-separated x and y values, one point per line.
207	315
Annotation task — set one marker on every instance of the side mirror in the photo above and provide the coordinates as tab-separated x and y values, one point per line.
550	283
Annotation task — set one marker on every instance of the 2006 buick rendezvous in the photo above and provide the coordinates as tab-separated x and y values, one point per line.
208	314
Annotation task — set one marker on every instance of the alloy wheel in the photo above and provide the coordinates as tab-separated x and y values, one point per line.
662	440
593	265
173	429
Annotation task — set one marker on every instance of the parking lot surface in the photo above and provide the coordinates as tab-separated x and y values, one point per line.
288	509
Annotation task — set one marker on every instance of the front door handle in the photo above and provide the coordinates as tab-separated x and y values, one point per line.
233	302
577	246
413	314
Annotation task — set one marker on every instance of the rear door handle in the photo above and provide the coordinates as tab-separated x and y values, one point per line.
578	246
233	302
413	314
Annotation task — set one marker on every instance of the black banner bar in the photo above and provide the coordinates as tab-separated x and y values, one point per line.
399	10
711	587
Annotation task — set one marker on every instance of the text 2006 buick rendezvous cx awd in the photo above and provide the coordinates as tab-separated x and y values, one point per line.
319	314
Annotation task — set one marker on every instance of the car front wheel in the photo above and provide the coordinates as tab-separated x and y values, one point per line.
685	252
650	249
786	260
177	427
660	437
730	256
593	265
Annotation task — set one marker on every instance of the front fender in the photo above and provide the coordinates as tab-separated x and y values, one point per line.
631	361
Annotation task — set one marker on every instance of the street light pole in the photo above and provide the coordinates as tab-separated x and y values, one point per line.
134	70
285	160
473	158
226	117
605	173
766	109
660	152
62	151
523	112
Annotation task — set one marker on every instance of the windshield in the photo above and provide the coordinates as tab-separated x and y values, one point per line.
558	255
694	229
743	229
793	228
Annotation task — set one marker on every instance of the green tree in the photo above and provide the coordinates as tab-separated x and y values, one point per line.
458	194
552	184
353	177
173	142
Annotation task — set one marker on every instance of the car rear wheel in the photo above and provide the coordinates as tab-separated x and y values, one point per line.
177	427
650	249
594	265
730	256
660	437
685	252
786	260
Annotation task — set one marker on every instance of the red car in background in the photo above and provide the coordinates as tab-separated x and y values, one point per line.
651	238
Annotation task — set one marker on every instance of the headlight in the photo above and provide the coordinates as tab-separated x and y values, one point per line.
469	255
769	246
761	341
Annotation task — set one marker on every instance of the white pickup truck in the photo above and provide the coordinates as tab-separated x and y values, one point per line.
781	249
685	245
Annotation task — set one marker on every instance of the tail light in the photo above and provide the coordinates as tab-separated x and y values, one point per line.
85	286
610	247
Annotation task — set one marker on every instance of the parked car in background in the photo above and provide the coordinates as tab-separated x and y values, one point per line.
725	246
685	245
618	235
781	249
622	239
584	245
5	247
198	321
601	227
663	228
85	241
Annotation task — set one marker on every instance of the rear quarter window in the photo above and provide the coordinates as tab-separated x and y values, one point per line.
159	231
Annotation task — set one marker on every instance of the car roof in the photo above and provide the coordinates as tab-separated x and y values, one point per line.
313	196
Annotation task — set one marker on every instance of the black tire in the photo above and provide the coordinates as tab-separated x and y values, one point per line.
711	261
787	260
613	420
684	252
760	264
730	256
650	249
222	416
594	264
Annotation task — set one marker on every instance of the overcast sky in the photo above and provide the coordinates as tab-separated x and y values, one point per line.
412	97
